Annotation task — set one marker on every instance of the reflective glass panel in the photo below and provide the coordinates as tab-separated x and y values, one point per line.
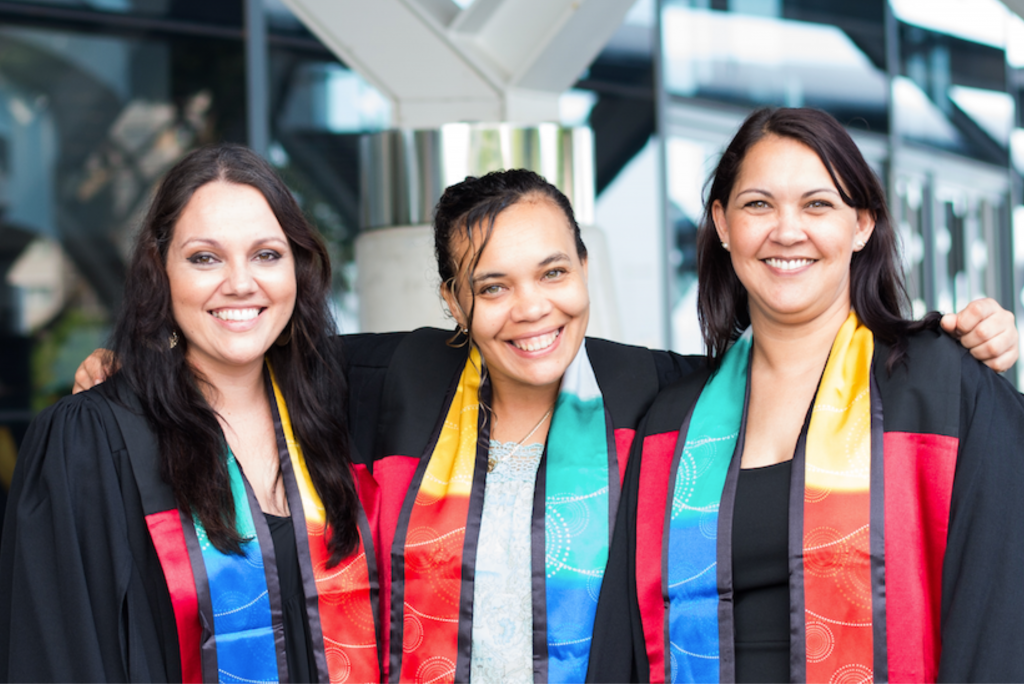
782	53
88	124
690	161
952	91
908	214
620	87
966	247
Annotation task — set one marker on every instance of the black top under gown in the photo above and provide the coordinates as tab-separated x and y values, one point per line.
301	666
760	572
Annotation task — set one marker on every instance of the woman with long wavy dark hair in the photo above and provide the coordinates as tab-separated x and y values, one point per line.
836	497
198	517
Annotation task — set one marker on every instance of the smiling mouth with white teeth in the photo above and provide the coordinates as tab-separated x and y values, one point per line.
531	344
236	314
788	264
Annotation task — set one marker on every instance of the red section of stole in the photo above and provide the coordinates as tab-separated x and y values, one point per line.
918	492
346	612
169	539
651	515
433	587
837	585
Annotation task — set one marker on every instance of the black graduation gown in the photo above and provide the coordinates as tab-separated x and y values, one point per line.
401	384
982	602
82	591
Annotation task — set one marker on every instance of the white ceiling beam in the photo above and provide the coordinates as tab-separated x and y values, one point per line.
497	60
396	47
545	44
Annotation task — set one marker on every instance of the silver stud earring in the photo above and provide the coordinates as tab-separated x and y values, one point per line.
172	341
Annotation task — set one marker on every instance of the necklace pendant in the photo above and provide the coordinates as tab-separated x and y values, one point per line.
492	463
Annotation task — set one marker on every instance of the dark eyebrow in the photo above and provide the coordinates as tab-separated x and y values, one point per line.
487	276
759	191
831	191
806	194
200	240
213	243
557	256
554	258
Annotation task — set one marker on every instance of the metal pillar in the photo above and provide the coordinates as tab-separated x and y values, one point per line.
257	77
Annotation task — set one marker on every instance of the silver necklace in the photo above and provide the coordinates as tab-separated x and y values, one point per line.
492	461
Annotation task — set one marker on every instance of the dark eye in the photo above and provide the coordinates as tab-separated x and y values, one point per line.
202	258
820	204
268	255
756	204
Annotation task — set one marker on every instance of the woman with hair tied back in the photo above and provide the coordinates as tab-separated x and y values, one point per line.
836	498
197	517
499	449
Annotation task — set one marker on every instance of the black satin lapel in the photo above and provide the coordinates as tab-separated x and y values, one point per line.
797	607
666	530
877	539
472	537
726	514
208	648
298	517
538	564
266	543
614	484
371	567
398	572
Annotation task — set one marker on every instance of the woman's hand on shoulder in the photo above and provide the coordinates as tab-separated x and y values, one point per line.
987	330
93	370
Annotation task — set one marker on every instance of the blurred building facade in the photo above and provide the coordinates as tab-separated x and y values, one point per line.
99	97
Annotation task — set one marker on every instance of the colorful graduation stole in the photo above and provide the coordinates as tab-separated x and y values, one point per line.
434	552
692	551
837	531
838	557
228	607
580	489
427	563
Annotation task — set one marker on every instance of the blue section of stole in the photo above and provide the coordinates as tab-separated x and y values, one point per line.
576	527
243	629
692	560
